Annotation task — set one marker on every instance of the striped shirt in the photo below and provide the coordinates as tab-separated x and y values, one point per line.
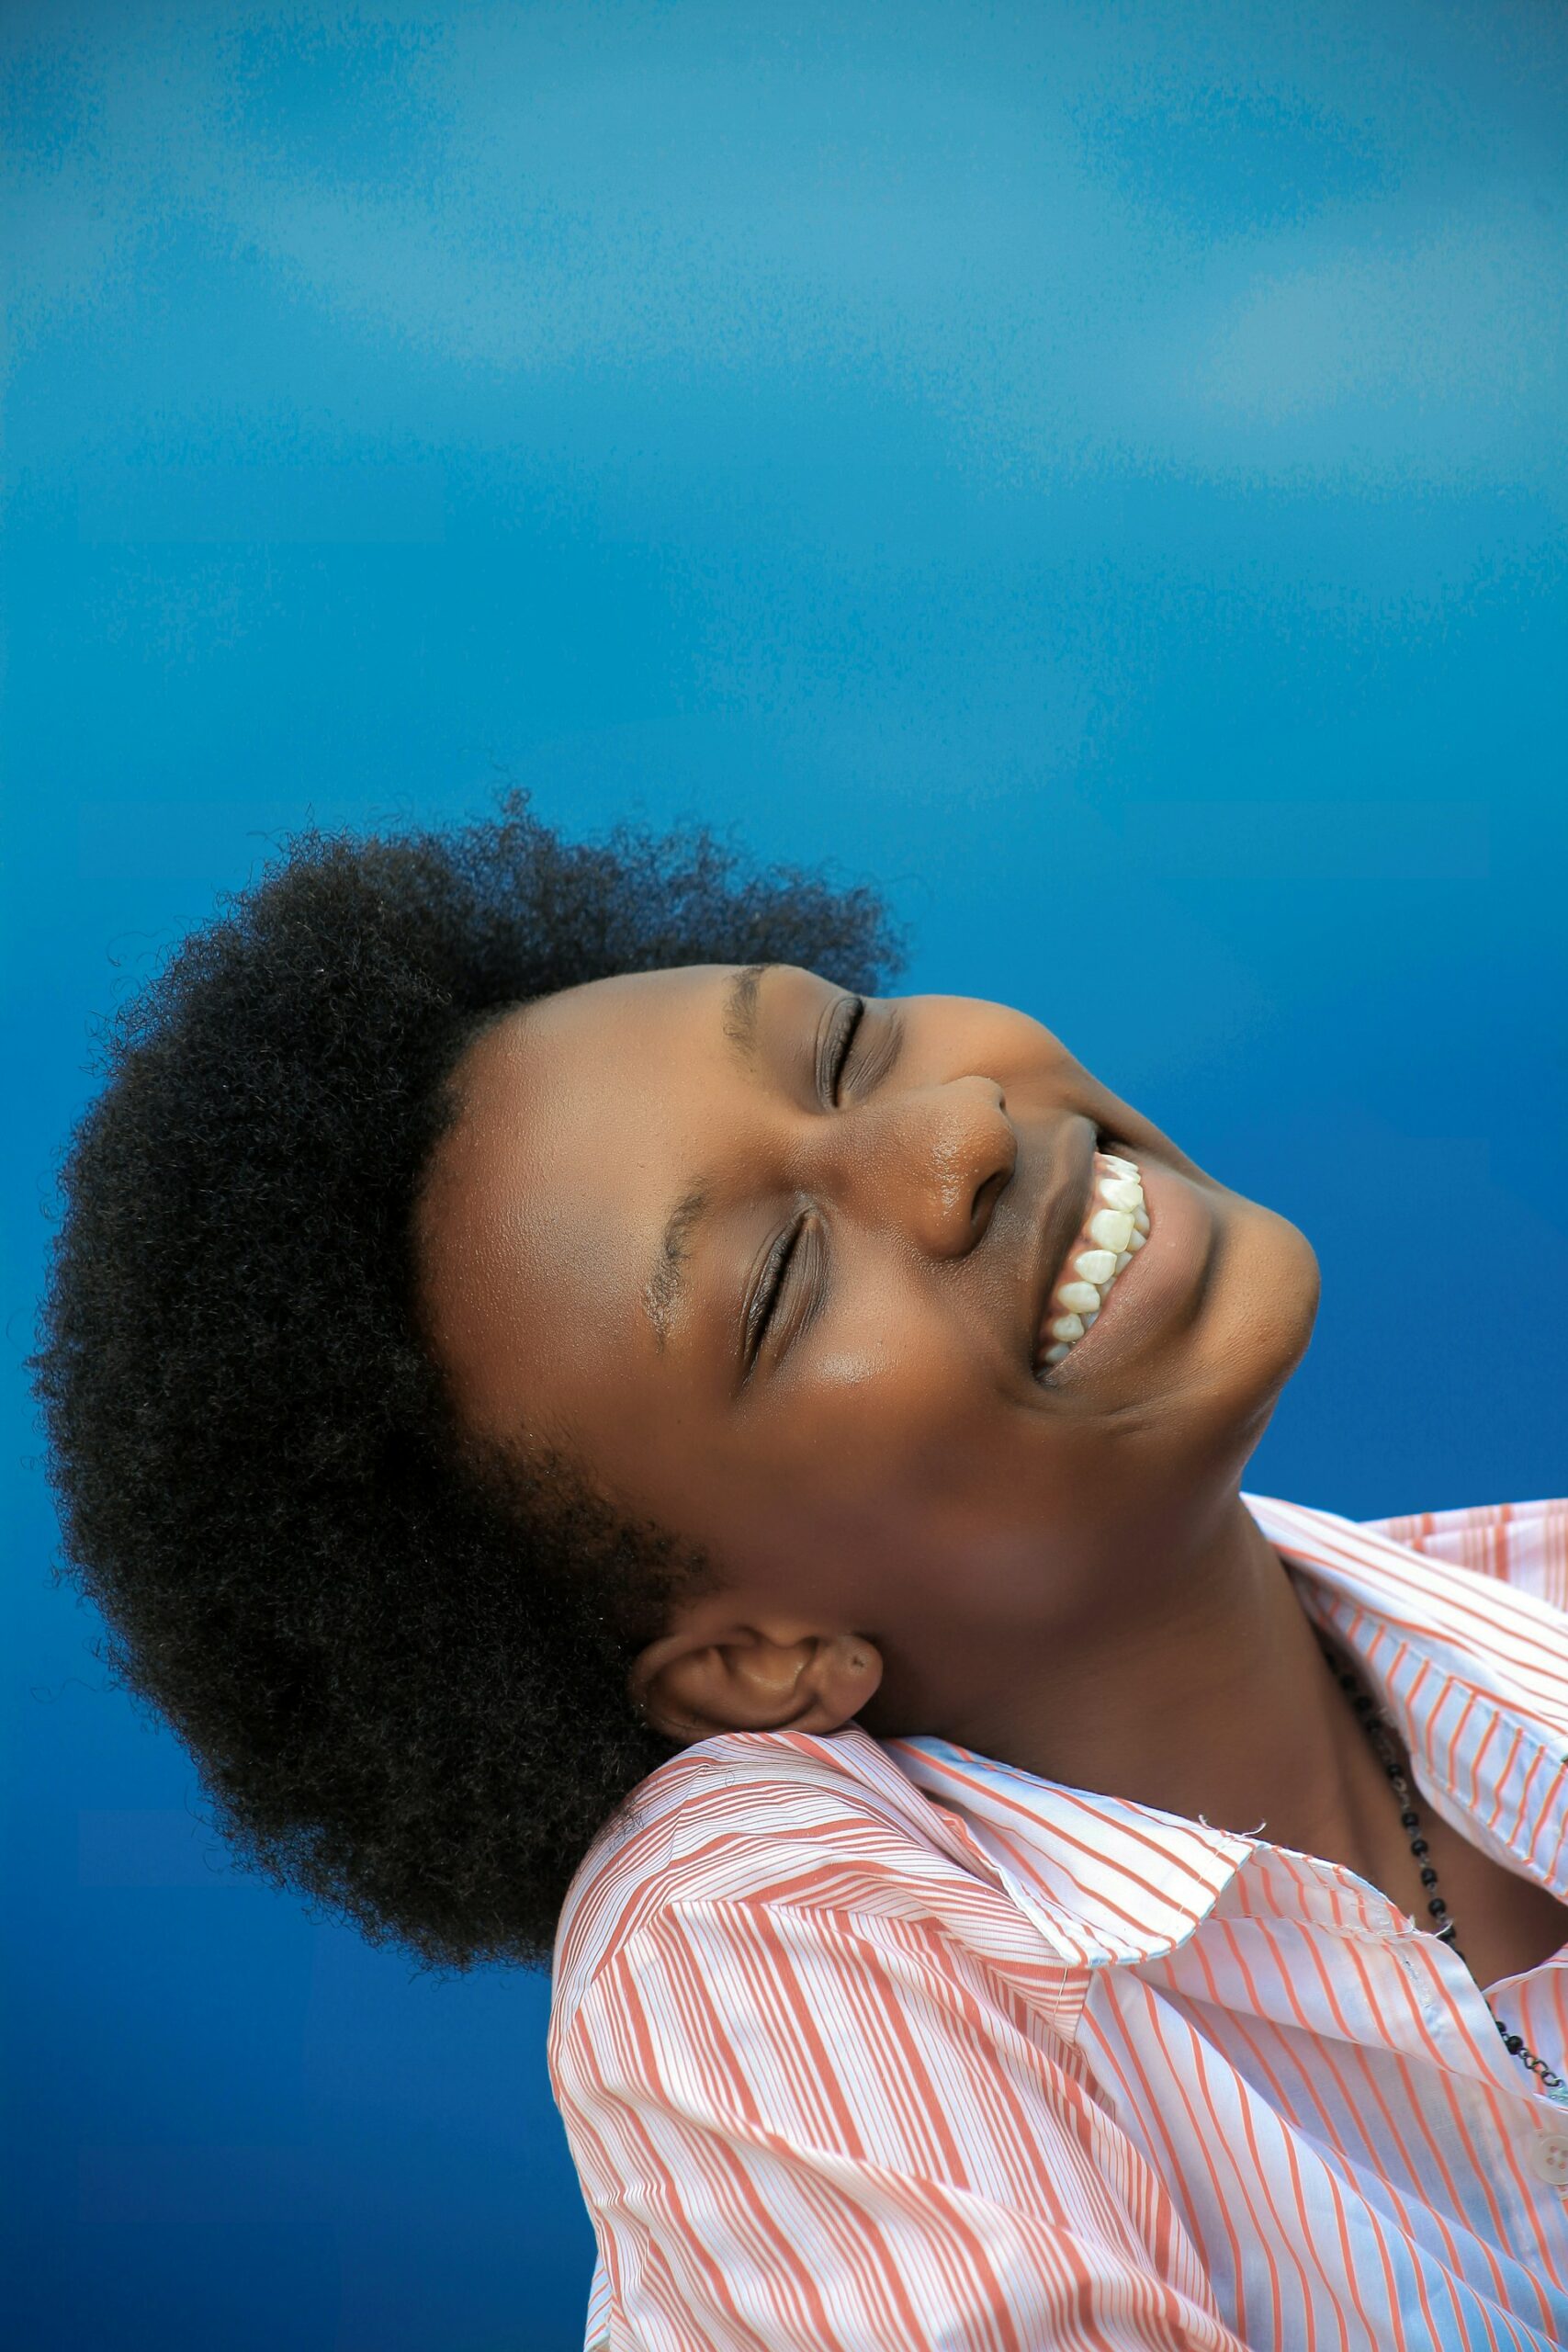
886	2047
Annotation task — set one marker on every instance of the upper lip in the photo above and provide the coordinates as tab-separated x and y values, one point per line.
1063	1210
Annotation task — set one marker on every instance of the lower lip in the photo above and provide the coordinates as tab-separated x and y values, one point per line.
1168	1269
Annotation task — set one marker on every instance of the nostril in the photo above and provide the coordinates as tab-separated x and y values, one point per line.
986	1199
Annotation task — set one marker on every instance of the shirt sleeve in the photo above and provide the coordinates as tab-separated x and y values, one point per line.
808	2130
1522	1545
596	2324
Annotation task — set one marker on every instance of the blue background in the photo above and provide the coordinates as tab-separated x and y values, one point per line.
1099	471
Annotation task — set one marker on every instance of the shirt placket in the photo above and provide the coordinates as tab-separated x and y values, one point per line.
1516	2133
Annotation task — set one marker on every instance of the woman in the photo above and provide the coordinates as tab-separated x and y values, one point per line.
557	1384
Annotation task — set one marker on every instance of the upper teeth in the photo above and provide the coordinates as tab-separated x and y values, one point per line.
1115	1228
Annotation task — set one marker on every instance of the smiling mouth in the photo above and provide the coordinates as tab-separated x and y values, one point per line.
1115	1229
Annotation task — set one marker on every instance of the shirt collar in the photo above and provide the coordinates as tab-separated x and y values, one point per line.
1463	1663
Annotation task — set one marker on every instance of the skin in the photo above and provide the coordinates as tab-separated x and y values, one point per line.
915	1532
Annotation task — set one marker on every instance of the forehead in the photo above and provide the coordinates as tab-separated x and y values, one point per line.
578	1121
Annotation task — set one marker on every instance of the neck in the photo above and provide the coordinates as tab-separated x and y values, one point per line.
1207	1696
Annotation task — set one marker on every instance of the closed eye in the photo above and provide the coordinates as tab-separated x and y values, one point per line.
768	1289
837	1042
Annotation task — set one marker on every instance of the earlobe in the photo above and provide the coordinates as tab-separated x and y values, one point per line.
753	1679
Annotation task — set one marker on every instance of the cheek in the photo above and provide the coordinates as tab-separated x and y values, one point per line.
872	1414
882	1428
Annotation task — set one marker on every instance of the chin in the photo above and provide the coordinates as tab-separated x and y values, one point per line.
1272	1285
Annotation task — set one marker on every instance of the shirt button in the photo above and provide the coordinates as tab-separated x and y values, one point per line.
1548	2159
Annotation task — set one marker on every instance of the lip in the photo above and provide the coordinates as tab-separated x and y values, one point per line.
1065	1214
1171	1271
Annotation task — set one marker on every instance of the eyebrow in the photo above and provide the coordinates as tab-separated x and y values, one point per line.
665	1284
740	1009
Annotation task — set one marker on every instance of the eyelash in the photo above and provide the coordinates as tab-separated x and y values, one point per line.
847	1024
770	1299
849	1021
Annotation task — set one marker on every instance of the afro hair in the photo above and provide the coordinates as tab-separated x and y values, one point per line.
401	1675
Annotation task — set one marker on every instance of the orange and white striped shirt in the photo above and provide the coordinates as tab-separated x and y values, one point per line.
886	2047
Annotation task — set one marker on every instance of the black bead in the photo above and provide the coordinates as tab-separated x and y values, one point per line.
1410	1820
1428	1877
1419	1846
1363	1704
1436	1907
1516	2042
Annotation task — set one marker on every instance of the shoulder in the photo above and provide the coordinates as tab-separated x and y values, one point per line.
790	1822
1524	1545
807	1820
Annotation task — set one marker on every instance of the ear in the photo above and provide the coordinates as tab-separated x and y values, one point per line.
772	1677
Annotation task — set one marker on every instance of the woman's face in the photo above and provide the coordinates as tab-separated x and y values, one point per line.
779	1271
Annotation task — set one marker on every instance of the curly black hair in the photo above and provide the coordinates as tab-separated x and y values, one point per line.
398	1662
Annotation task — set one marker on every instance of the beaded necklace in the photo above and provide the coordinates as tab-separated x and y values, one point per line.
1551	2084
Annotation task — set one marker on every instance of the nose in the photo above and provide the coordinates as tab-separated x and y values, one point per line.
936	1159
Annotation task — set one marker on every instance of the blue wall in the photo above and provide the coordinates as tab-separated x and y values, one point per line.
1101	471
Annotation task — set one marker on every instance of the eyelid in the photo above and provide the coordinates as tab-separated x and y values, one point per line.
808	1247
805	1280
882	1052
835	1038
765	1298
